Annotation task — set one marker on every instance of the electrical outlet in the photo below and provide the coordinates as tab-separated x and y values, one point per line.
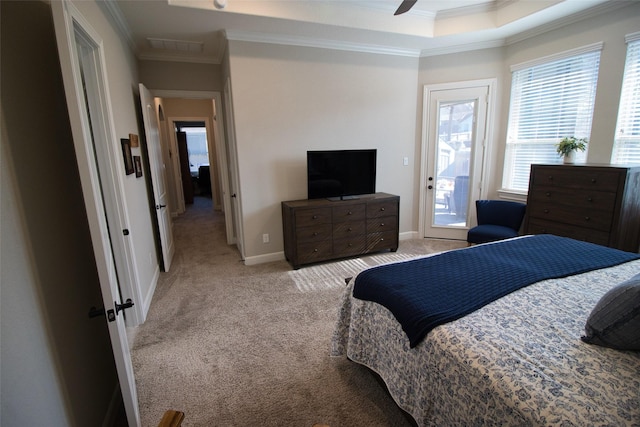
405	161
265	238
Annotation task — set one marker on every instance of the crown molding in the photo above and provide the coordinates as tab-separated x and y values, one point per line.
146	56
318	43
594	11
489	44
116	16
487	7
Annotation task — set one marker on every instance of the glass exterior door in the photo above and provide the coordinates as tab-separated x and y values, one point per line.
455	124
454	145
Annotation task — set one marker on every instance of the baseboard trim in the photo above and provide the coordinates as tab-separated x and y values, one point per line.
408	235
261	259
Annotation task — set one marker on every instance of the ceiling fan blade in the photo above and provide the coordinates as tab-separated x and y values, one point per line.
405	6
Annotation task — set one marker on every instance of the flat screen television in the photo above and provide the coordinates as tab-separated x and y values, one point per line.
340	174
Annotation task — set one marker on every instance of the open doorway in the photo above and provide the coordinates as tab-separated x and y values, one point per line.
193	152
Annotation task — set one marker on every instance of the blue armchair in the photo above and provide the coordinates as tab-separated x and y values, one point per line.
497	220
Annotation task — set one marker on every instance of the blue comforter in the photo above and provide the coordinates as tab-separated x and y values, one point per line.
428	292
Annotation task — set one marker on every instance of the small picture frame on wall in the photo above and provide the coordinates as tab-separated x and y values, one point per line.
126	153
134	140
138	166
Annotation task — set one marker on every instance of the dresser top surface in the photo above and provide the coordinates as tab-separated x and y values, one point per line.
326	202
588	165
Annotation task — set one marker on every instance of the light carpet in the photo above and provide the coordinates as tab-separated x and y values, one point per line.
236	345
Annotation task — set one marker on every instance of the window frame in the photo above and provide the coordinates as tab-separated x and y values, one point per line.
512	179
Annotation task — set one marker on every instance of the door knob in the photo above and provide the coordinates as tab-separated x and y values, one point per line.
158	207
233	195
119	307
430	187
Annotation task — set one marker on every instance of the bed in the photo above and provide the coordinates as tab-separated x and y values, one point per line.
524	359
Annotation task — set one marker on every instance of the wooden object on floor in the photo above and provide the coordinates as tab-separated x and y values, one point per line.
172	418
318	230
594	203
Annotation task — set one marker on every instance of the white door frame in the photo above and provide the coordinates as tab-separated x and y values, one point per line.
234	172
101	175
219	145
485	142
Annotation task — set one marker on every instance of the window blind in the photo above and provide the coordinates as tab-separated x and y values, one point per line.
549	101
626	147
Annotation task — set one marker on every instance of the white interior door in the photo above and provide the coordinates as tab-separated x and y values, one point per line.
455	123
158	175
81	60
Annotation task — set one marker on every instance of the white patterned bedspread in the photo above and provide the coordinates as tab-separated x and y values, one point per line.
518	361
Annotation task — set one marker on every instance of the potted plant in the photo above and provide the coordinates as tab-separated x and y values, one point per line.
568	146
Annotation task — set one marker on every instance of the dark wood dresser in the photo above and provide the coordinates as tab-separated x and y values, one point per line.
319	229
593	203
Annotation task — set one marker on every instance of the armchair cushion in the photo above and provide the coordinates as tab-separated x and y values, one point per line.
497	220
489	233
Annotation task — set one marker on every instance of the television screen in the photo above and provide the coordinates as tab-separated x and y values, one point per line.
340	174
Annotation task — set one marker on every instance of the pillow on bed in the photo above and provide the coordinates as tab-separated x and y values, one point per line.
615	320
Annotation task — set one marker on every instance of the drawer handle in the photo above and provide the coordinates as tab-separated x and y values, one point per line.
382	224
381	209
314	217
382	239
350	244
315	250
548	194
315	233
546	211
593	180
350	213
589	199
550	177
350	229
586	218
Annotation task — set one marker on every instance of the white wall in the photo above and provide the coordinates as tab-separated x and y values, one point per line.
33	392
288	100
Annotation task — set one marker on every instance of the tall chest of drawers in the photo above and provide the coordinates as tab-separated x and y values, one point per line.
593	203
319	229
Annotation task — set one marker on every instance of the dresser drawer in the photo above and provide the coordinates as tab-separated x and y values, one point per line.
588	218
350	246
539	226
384	223
579	199
314	251
307	217
314	233
381	241
382	208
571	177
343	230
348	213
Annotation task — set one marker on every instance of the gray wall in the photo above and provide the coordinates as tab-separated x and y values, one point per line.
288	100
57	364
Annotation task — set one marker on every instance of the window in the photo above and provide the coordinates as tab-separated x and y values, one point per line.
550	98
626	148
